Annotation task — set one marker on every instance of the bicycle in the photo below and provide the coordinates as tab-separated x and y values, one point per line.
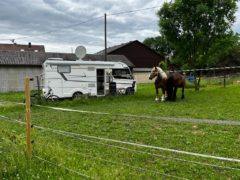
50	96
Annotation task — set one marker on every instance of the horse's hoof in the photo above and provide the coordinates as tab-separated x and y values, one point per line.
156	99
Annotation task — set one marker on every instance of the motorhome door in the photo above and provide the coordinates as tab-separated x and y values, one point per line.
100	82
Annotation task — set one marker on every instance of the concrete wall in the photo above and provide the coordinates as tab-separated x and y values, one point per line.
142	77
12	78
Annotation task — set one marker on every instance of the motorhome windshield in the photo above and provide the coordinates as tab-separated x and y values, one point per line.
122	74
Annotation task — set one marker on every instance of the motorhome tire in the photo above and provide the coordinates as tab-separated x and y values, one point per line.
129	91
53	98
77	95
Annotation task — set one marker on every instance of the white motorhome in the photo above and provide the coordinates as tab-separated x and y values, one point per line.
71	79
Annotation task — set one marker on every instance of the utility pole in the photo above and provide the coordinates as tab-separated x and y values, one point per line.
105	36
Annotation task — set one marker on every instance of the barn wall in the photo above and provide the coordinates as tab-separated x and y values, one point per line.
12	78
140	55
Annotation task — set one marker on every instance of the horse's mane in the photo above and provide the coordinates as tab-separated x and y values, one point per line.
162	73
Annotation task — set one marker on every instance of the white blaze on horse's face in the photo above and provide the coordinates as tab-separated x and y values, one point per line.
157	71
153	73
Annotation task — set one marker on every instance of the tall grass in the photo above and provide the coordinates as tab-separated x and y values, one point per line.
64	157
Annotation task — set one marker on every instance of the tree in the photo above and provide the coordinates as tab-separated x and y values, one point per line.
225	52
158	44
195	29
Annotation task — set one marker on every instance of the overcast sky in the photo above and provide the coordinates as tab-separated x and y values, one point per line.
21	18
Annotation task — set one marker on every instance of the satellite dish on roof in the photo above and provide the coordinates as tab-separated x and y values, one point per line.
80	52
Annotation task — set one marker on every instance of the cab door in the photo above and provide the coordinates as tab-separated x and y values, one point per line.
100	82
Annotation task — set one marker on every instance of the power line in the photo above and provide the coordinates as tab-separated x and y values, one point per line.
57	29
80	23
132	11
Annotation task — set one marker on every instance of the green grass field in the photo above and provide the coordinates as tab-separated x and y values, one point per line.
57	156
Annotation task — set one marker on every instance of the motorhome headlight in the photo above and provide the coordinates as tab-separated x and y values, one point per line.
122	91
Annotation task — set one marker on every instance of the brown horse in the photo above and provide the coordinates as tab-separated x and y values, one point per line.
160	82
175	80
168	84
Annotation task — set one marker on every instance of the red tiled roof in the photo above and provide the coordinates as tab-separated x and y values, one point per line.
21	47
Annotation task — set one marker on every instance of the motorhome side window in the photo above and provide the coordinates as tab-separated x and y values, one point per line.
121	74
64	68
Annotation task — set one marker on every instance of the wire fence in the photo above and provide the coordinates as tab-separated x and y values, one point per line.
220	162
113	162
118	145
221	76
20	122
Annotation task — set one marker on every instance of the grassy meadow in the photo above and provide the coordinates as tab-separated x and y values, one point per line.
57	156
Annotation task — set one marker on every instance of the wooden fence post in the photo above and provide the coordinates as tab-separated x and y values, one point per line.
28	117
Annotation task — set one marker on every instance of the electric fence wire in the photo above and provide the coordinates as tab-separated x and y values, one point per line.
132	150
154	155
127	165
138	145
63	167
189	120
173	119
11	120
117	163
56	131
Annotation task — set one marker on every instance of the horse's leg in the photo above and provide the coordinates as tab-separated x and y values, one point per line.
163	94
183	92
170	92
166	93
175	93
157	98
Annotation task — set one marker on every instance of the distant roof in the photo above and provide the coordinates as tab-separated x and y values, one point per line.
112	58
113	48
22	47
31	58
